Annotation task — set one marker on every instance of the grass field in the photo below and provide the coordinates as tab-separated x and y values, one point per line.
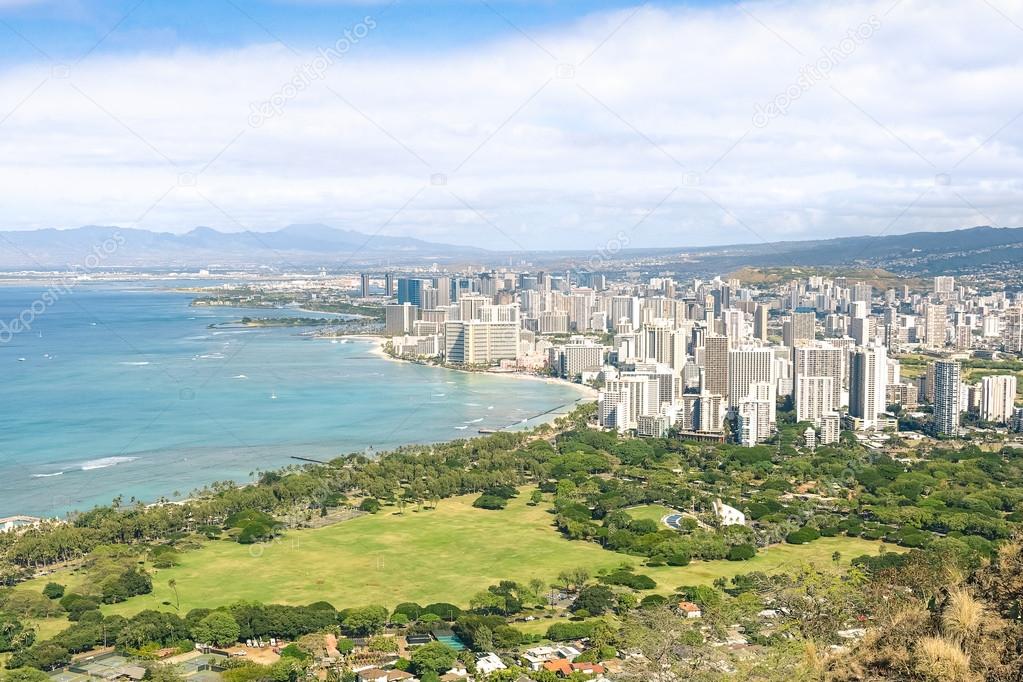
653	512
446	554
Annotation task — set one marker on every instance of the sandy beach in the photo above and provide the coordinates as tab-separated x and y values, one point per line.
377	349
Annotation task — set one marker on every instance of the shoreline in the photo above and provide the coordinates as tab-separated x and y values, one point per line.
378	351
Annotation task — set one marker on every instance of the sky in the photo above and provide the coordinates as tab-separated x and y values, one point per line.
514	124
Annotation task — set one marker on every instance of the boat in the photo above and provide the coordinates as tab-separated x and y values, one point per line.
273	395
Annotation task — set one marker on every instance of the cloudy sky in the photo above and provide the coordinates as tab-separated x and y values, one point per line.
514	124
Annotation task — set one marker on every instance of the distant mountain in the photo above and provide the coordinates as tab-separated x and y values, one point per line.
293	246
971	250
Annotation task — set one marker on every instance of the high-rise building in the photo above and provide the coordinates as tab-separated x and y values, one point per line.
364	285
820	360
703	412
868	385
755	416
399	318
760	322
410	290
935	322
715	363
944	284
475	342
389	284
998	398
800	328
813	398
733	322
748	366
947	397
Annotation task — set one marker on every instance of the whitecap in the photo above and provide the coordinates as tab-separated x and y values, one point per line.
56	473
105	462
239	376
134	364
461	428
474	421
439	395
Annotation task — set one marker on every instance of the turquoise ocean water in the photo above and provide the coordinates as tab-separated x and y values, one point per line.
124	390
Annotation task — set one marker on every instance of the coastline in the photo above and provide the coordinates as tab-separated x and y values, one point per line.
378	351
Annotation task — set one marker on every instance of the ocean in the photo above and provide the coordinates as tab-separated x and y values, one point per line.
123	390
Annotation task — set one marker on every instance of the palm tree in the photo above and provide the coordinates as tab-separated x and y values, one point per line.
173	584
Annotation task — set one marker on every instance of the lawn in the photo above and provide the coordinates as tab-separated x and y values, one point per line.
446	554
653	512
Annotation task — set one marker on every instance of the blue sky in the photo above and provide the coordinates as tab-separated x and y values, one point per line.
514	124
67	28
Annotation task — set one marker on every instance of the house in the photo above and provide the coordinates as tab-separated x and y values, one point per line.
535	658
564	668
379	675
728	516
689	610
489	663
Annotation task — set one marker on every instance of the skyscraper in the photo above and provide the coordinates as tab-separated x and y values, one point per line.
935	321
868	376
998	396
947	389
760	322
715	363
748	366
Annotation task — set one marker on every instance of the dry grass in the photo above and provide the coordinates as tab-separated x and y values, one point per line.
943	661
963	616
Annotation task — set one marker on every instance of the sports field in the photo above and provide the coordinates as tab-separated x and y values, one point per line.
446	554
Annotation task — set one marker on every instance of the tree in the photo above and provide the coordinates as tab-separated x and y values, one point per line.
173	584
594	599
365	620
23	675
218	628
163	673
53	590
435	657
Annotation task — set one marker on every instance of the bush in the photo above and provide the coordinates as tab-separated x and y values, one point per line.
741	553
565	632
803	536
53	590
492	502
678	559
628	579
370	505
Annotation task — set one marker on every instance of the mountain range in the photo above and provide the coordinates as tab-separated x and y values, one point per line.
316	245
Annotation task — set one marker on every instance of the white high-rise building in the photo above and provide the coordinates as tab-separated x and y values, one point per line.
821	360
755	416
947	397
748	366
813	398
624	400
944	284
476	342
998	398
936	323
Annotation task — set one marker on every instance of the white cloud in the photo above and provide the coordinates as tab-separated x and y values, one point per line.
552	156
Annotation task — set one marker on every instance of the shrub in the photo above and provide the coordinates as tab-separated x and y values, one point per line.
370	505
803	536
741	552
493	502
53	590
